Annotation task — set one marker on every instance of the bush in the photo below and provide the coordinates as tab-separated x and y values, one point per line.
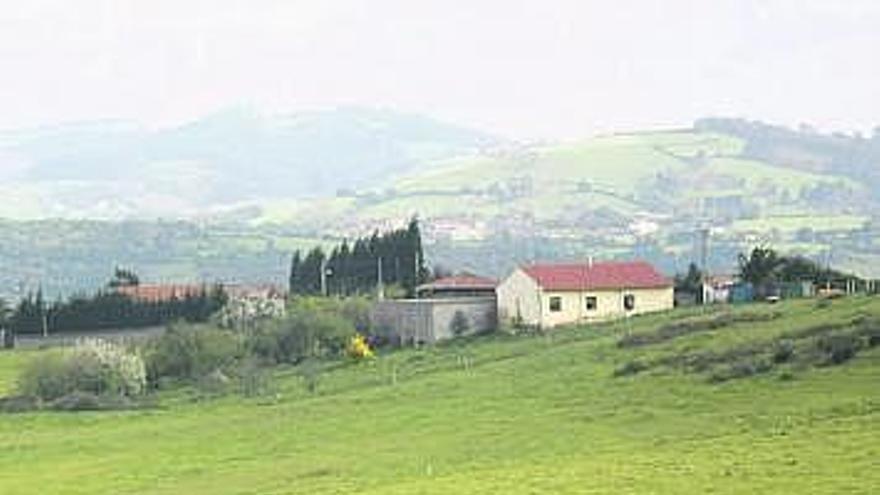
631	368
459	324
741	369
358	348
783	351
308	331
191	352
869	329
93	366
837	349
19	403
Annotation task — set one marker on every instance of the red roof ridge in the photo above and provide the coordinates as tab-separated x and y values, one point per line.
615	274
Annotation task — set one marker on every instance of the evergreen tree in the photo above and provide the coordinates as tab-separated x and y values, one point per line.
294	284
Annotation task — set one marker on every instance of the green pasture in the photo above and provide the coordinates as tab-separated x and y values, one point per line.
498	414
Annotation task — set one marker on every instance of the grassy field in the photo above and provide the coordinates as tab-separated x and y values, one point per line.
520	415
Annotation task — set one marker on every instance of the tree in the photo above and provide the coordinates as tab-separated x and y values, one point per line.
294	284
123	278
5	313
760	268
5	316
692	281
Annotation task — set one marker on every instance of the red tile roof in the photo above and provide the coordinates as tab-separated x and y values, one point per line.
462	282
158	293
591	276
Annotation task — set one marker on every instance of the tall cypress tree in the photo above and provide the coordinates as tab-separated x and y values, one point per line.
295	266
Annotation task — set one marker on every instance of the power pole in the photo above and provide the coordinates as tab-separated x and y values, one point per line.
380	286
704	233
323	277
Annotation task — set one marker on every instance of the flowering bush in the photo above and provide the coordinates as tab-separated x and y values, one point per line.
358	348
93	366
242	313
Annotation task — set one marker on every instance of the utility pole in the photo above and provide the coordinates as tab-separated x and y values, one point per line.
704	233
380	286
324	277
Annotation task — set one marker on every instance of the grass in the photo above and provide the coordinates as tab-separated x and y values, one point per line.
540	414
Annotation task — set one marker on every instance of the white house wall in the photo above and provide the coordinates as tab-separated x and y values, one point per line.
519	298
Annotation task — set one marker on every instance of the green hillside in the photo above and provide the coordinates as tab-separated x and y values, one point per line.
627	174
529	414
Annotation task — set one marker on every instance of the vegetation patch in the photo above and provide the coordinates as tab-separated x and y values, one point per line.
95	374
687	327
827	344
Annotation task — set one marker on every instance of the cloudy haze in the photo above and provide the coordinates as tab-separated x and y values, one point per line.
527	69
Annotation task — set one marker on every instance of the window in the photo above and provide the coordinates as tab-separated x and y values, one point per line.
629	302
592	303
555	303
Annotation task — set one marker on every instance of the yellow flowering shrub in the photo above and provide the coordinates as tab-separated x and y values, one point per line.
358	348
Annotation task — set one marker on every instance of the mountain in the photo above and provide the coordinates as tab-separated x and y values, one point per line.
121	170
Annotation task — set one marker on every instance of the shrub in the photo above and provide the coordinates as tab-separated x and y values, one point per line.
308	331
459	324
783	351
358	348
93	366
190	352
631	368
741	369
19	403
869	329
837	349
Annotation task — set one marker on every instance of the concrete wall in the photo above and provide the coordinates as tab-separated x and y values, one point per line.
430	320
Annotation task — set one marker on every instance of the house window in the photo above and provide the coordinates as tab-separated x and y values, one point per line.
592	303
555	304
629	302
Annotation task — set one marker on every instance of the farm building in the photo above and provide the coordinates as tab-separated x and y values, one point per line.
547	295
446	308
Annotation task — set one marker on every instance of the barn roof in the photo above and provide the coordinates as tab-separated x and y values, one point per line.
591	276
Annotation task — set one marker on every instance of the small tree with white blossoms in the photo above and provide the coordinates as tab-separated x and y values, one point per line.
242	313
93	366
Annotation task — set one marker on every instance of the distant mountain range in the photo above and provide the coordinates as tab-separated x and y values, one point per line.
117	170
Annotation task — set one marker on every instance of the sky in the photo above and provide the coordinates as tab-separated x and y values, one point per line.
545	69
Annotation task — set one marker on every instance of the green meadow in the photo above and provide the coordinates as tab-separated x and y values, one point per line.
543	413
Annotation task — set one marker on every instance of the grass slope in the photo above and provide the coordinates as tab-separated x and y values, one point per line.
565	181
539	414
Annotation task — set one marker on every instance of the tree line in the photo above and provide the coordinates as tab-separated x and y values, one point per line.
109	309
355	268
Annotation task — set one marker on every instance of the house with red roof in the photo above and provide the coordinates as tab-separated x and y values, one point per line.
548	295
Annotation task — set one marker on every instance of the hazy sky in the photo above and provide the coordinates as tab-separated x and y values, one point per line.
542	69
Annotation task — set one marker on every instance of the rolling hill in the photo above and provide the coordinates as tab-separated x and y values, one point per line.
119	170
245	189
554	413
